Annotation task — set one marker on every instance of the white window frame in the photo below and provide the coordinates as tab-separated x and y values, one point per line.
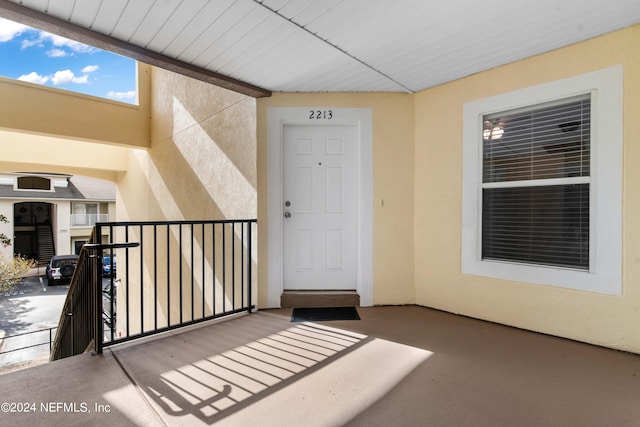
39	190
605	272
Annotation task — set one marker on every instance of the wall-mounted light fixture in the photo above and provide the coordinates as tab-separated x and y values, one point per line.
492	130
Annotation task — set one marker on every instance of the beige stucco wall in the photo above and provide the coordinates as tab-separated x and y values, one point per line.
606	320
59	155
65	114
201	163
392	186
96	131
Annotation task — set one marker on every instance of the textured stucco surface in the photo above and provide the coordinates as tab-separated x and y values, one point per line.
201	166
605	320
393	149
202	159
65	114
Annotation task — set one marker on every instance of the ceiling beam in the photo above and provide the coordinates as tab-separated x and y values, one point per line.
60	27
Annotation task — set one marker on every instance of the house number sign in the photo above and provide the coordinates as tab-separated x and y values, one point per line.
320	114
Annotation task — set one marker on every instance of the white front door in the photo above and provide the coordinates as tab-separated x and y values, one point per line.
320	207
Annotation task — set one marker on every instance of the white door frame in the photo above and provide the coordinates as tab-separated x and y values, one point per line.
279	117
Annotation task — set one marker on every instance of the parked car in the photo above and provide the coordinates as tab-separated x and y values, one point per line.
60	269
106	265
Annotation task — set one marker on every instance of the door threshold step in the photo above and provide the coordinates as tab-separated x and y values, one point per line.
319	298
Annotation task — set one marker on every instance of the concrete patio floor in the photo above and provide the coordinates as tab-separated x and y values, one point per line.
397	366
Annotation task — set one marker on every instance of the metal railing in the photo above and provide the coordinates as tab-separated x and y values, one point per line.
77	326
87	220
30	340
175	274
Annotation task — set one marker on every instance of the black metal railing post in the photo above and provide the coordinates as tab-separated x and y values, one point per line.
98	308
249	276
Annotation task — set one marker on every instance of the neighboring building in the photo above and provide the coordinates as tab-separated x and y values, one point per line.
52	214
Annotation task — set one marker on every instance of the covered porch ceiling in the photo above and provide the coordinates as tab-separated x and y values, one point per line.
261	46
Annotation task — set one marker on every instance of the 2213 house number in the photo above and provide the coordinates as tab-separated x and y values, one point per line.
320	114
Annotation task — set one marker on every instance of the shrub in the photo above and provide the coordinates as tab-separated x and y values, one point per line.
4	240
11	271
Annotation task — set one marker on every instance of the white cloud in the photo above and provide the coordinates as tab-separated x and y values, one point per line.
83	79
59	43
122	95
56	53
10	29
34	77
63	42
61	77
28	43
90	69
67	76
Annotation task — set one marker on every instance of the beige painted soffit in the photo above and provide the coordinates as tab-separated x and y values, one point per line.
33	18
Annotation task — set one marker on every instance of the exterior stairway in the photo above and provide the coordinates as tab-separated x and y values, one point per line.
46	247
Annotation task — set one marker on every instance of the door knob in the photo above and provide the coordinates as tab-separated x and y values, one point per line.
287	214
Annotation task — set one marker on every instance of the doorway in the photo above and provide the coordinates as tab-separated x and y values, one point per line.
319	201
33	231
320	209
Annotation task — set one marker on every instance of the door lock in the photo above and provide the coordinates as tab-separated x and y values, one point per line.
287	214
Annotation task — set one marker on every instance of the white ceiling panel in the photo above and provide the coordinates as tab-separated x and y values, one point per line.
107	17
84	13
152	23
39	4
62	8
132	17
262	37
337	45
229	44
174	25
208	26
273	34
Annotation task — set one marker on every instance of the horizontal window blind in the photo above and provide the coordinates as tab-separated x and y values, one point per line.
547	142
537	225
535	196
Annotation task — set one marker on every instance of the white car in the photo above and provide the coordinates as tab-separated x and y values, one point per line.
60	269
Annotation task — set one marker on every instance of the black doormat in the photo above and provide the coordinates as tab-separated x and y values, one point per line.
322	314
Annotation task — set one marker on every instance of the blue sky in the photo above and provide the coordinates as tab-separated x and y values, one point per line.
39	57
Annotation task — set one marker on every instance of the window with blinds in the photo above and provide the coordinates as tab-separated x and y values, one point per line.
536	184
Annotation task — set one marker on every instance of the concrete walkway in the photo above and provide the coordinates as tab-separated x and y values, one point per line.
397	366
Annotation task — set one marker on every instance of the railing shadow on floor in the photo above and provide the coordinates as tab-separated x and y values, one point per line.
217	386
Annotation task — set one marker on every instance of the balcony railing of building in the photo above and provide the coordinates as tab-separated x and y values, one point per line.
152	277
87	220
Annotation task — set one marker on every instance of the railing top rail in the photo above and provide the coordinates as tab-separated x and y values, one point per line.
99	246
183	222
31	332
